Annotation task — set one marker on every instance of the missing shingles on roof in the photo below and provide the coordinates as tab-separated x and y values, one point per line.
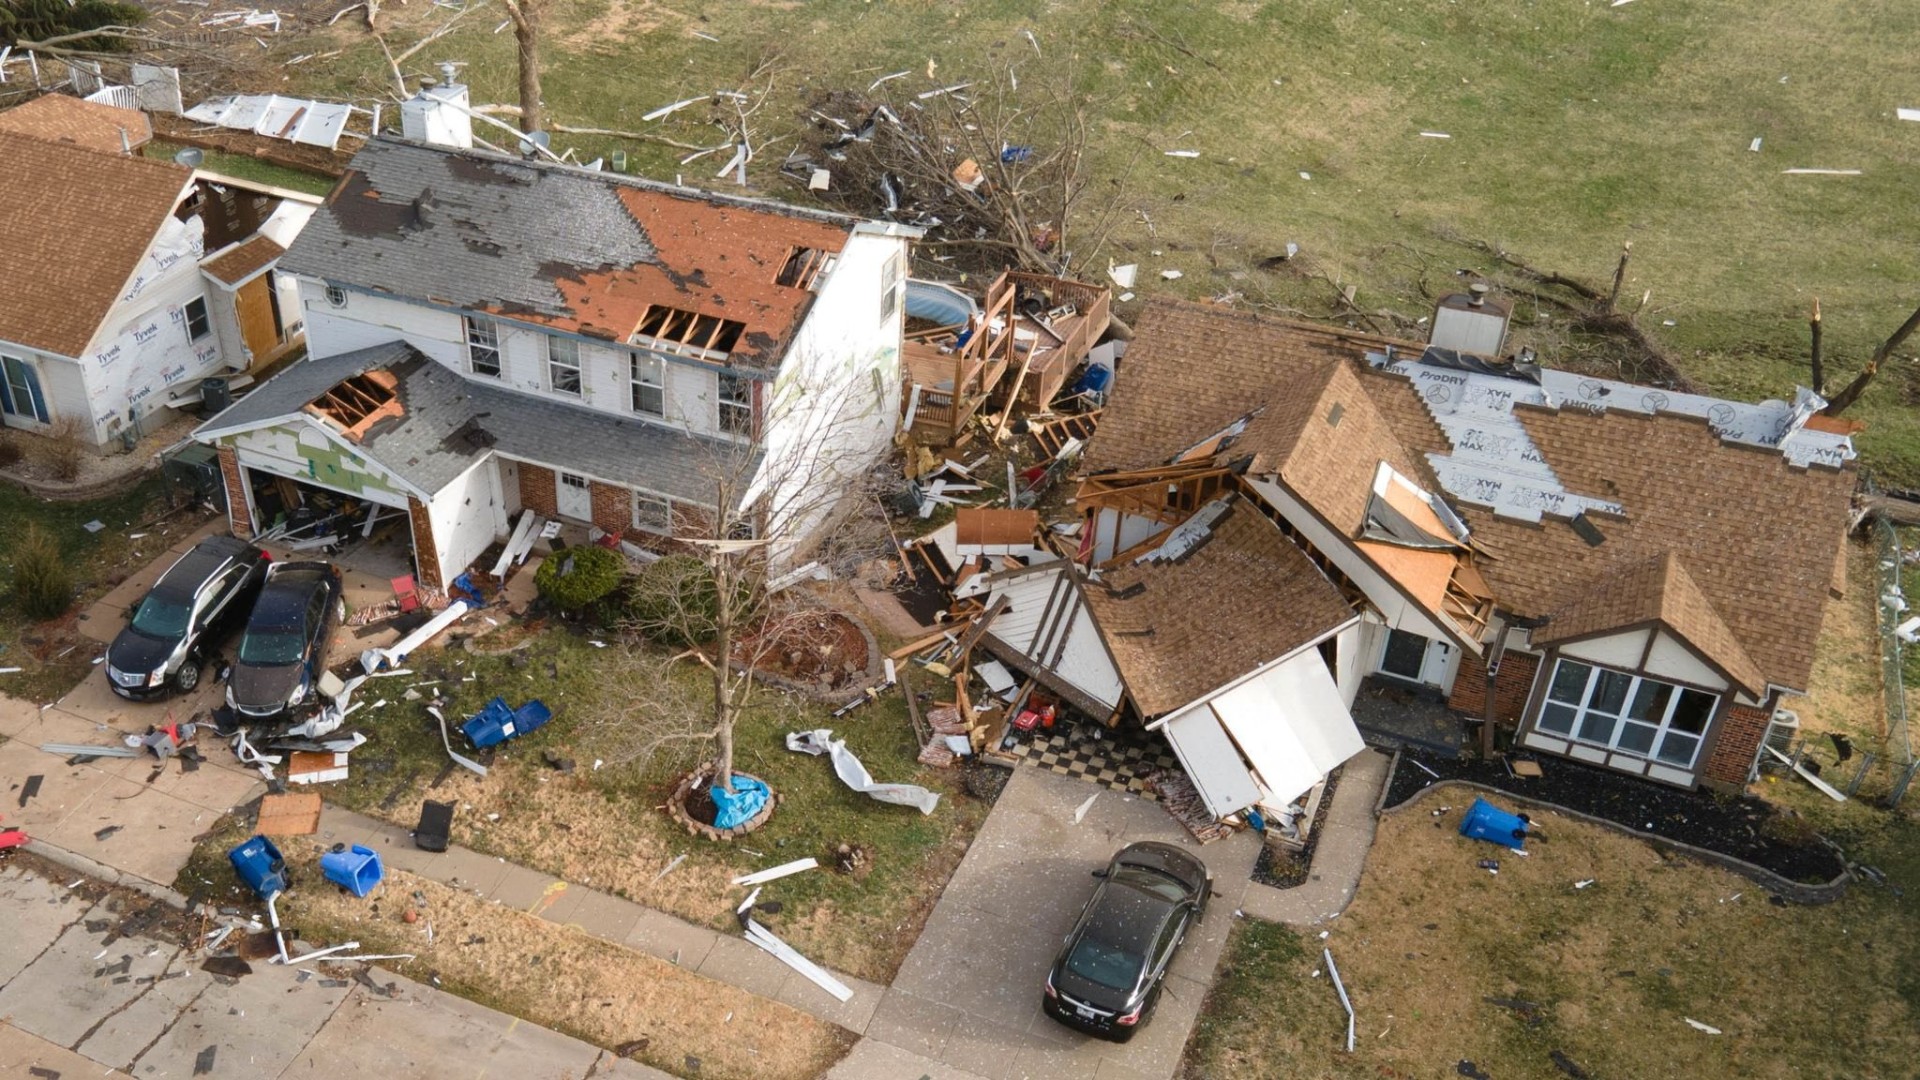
360	401
677	330
1129	592
1334	414
469	437
1584	527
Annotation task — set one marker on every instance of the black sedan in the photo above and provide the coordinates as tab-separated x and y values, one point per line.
1109	972
284	649
201	596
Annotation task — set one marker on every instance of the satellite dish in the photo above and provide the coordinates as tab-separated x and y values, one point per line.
190	157
533	142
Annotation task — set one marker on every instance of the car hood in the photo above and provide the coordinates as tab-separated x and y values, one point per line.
1169	860
134	651
259	687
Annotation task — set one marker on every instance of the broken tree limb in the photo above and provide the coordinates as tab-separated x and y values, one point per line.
1858	386
1818	372
611	133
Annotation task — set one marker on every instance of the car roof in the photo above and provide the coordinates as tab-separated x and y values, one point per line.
284	599
1125	913
206	558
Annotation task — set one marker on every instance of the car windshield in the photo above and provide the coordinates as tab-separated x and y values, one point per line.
1151	881
1105	962
271	645
162	616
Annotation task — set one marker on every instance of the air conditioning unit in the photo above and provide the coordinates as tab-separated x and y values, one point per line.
1783	729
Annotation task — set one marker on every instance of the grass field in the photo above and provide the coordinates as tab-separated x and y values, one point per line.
603	827
1574	127
1606	975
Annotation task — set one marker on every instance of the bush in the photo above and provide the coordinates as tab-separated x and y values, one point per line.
62	449
10	454
573	579
675	602
42	585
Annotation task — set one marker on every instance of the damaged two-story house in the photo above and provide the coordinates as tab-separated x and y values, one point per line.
490	335
131	279
1617	574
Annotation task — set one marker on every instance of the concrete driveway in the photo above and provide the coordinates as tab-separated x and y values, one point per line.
966	1002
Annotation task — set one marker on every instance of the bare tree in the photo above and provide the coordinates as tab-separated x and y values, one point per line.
1841	401
525	16
998	165
804	465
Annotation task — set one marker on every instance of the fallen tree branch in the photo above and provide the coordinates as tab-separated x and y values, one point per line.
611	133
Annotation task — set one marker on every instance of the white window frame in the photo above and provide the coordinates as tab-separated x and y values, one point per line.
734	415
28	399
336	296
483	340
661	526
890	277
205	320
637	384
1581	711
556	365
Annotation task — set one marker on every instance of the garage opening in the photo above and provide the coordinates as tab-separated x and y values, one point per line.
305	517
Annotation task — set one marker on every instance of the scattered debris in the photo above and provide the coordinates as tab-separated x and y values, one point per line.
233	967
465	762
1435	135
668	869
1565	1064
855	775
1341	988
1698	1026
785	953
102	834
1821	172
1080	812
32	787
772	874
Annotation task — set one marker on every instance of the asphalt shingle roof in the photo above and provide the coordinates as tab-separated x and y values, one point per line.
582	251
451	422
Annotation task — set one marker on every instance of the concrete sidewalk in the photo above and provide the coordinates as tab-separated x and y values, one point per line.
80	1004
726	958
1338	856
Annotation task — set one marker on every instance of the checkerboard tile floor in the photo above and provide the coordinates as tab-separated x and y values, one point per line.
1116	760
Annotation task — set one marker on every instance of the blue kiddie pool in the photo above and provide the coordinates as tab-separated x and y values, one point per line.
1485	821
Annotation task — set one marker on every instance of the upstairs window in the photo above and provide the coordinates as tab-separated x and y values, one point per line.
736	405
563	365
648	385
1627	713
483	347
199	324
336	296
890	276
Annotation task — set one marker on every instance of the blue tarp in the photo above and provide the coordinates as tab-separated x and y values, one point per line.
737	808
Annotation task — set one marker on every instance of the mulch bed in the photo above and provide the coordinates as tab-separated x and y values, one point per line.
827	648
1730	825
1286	869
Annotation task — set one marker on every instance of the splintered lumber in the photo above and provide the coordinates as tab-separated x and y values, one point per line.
522	533
979	628
1819	785
777	872
783	952
924	643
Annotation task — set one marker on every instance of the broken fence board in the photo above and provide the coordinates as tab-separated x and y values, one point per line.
774	873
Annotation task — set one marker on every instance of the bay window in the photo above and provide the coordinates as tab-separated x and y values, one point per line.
1631	714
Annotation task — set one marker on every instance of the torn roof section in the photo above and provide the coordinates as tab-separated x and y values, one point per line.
1751	499
1210	606
583	252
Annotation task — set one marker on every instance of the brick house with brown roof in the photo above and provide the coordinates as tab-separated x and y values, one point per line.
1643	571
147	276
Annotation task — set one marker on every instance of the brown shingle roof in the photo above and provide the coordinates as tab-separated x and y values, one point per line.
243	260
1660	590
1193	369
1753	534
83	220
1245	597
59	118
1756	535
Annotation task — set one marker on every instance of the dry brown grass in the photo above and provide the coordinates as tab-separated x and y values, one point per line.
564	979
1845	691
1615	969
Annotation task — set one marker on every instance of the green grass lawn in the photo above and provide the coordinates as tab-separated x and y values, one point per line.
1574	128
602	827
242	167
98	561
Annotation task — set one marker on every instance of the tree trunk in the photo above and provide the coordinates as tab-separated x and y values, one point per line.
724	688
1819	372
1858	386
526	33
1619	275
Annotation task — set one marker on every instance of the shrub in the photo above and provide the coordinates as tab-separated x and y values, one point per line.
61	449
573	579
10	454
673	601
42	585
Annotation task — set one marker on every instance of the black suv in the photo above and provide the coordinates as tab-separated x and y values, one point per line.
284	649
199	597
1109	972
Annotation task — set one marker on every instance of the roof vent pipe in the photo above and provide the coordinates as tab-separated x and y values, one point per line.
1479	289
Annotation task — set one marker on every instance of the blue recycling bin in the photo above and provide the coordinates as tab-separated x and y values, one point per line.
358	868
1485	821
491	725
497	723
260	866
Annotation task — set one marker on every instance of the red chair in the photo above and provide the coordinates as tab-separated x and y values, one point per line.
406	591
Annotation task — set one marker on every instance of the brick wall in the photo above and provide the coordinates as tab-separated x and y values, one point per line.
536	490
236	493
1733	749
426	556
1510	687
612	507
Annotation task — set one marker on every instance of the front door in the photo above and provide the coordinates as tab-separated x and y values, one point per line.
573	498
1415	658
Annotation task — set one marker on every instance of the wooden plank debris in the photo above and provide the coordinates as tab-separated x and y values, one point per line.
777	872
1819	785
293	814
785	953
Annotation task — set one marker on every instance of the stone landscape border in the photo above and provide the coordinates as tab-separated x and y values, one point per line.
1797	892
